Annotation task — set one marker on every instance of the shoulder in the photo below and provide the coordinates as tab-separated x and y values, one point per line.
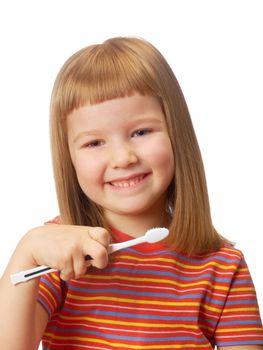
225	262
227	255
228	258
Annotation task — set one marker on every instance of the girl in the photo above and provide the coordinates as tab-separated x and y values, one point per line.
126	159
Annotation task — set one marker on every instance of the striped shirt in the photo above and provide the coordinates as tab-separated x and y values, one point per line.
150	297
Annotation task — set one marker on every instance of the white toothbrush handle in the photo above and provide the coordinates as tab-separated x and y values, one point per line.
117	246
26	275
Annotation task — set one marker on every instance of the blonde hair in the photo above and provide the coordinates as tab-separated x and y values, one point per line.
117	68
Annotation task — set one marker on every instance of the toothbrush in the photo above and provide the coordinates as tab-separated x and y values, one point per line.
151	236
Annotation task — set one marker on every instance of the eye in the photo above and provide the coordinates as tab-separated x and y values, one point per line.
141	132
93	144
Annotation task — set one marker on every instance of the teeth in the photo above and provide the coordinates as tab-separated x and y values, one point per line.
126	184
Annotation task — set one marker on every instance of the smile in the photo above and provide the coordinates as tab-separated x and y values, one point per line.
127	183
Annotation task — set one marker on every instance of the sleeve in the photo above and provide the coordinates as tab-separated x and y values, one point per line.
240	322
50	292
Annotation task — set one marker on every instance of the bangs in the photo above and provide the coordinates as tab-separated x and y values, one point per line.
102	72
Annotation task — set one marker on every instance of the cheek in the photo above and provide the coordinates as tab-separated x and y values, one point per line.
160	155
88	170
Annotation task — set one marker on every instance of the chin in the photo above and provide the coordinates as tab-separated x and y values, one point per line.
138	210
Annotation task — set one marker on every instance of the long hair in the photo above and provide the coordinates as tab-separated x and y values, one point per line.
118	68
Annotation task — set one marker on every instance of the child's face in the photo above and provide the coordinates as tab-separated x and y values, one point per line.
122	155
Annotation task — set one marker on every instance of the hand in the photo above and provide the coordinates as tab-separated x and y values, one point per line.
64	247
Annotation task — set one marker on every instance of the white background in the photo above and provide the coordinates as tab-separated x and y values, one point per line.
215	50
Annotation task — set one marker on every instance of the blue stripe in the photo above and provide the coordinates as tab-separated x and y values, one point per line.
226	323
145	339
170	296
166	273
242	302
246	322
185	258
50	286
246	282
130	292
133	316
152	254
245	342
45	306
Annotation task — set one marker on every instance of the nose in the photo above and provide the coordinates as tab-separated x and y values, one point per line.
123	155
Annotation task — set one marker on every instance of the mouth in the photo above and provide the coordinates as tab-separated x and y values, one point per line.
128	182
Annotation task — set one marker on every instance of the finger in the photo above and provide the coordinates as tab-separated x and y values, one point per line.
67	270
100	259
80	266
100	235
97	252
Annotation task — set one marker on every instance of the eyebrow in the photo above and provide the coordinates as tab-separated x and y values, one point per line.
85	133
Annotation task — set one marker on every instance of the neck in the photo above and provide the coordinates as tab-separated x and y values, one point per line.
137	225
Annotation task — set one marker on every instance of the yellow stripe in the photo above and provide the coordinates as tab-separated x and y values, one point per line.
238	330
192	267
245	289
144	302
155	280
229	310
126	323
55	277
124	346
211	308
135	301
48	292
240	309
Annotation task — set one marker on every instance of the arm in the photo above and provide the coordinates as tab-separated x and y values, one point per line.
23	320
